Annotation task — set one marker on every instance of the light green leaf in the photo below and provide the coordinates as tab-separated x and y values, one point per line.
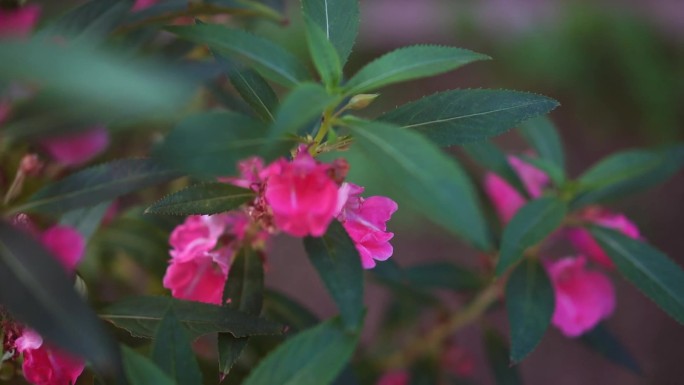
491	158
301	106
87	219
648	269
466	116
141	371
530	225
556	174
312	357
206	198
434	183
172	351
270	59
542	135
252	87
338	19
530	304
323	54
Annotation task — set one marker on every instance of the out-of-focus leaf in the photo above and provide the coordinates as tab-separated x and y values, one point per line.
141	371
556	174
338	263
409	63
205	198
141	316
542	135
94	19
172	351
530	225
466	116
603	342
530	303
323	54
37	291
491	158
252	87
435	184
300	107
87	219
648	269
497	354
97	184
286	311
338	19
270	59
312	357
442	275
627	173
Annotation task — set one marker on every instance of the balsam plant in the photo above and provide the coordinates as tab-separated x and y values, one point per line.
249	125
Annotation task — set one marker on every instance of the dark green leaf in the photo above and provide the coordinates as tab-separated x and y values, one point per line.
602	341
172	351
409	63
530	225
530	303
37	291
541	133
338	19
94	19
206	198
141	371
628	172
86	220
270	59
491	158
442	275
210	144
97	184
435	184
466	116
498	355
252	87
323	54
312	357
648	269
304	104
141	316
286	311
338	263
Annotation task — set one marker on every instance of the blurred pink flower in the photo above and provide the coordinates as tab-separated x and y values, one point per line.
77	149
365	219
44	365
457	360
251	173
65	243
397	377
142	4
585	243
583	297
18	22
506	199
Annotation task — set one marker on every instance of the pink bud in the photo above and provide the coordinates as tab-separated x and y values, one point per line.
30	165
18	22
79	148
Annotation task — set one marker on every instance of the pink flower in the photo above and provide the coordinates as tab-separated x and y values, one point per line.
77	149
65	243
44	365
583	297
365	220
457	360
199	279
398	377
142	4
251	173
18	22
585	243
302	195
506	199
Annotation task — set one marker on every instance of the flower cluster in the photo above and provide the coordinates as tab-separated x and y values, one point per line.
584	296
299	197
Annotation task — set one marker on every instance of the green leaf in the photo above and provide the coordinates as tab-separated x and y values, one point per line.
94	19
86	220
270	59
37	291
466	116
648	269
301	106
530	225
312	357
434	183
206	198
602	341
97	184
338	263
530	303
141	371
172	351
491	158
409	63
252	87
542	135
442	275
627	173
556	174
286	311
244	291
338	19
141	316
323	54
497	355
210	144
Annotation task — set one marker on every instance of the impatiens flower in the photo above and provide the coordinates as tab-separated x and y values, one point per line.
583	297
18	22
77	149
398	377
585	243
65	243
251	173
365	220
198	279
506	199
302	195
45	365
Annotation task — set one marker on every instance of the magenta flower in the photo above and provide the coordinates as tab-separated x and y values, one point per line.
397	377
585	243
142	4
252	173
45	365
65	243
77	149
199	279
18	22
583	297
506	199
365	219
